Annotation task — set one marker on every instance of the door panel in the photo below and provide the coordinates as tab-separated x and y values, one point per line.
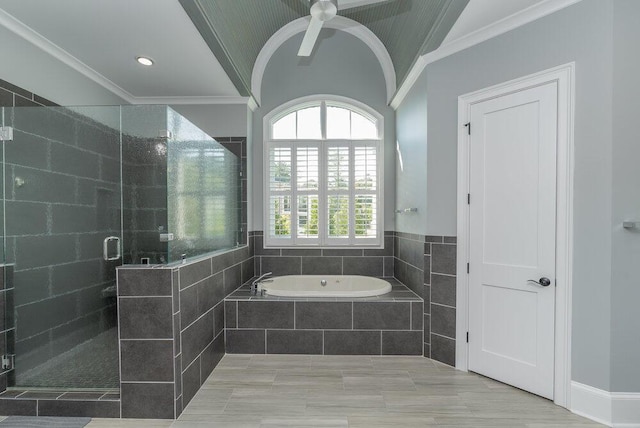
512	238
517	339
63	202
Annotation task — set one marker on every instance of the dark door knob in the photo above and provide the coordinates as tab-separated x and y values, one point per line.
544	281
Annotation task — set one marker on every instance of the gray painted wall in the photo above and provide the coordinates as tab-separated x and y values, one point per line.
580	33
625	293
217	119
341	65
38	72
34	70
411	160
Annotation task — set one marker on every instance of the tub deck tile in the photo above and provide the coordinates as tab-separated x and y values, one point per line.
398	292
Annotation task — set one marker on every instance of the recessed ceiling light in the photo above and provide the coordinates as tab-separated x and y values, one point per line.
144	60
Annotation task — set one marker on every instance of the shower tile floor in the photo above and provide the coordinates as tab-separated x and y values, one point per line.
271	391
92	364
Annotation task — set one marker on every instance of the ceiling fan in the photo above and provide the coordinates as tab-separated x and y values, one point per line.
325	10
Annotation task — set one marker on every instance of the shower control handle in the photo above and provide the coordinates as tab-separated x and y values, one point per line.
105	248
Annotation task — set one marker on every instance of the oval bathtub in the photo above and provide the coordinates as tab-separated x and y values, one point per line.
336	286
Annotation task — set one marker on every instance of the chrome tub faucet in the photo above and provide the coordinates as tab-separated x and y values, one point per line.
261	279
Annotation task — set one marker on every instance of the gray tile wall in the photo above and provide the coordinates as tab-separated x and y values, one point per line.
324	328
14	96
347	261
427	265
145	312
7	326
238	146
62	174
442	274
390	324
71	404
171	329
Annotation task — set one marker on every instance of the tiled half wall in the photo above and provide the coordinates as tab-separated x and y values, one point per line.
427	265
171	321
7	325
390	324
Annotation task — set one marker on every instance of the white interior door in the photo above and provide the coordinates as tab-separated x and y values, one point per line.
512	238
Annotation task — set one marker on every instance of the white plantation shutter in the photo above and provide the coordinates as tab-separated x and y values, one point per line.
280	193
320	190
306	194
365	191
339	182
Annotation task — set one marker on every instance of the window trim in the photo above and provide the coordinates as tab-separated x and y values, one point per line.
322	241
322	100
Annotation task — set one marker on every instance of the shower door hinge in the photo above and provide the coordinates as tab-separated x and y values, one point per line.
467	267
467	337
7	362
6	133
468	198
165	133
166	237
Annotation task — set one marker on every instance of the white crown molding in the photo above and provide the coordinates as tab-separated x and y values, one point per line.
511	22
338	23
613	409
194	100
20	29
409	81
252	103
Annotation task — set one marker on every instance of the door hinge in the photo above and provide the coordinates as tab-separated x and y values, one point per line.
468	126
467	337
467	267
7	362
6	133
468	198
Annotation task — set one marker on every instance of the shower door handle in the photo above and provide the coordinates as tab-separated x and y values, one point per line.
105	248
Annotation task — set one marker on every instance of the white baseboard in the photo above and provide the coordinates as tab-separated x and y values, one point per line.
614	409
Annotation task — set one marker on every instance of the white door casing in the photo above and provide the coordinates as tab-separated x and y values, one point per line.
504	263
512	238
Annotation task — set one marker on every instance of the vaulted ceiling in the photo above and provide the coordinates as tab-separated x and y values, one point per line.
237	30
91	45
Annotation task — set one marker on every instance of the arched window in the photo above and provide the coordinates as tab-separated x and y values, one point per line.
323	174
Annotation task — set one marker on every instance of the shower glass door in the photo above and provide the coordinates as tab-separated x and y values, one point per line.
63	198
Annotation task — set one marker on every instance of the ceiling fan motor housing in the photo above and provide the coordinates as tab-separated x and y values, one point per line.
324	10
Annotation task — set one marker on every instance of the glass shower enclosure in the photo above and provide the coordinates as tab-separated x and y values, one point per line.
85	190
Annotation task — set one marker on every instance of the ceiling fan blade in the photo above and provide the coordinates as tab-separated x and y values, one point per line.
310	37
349	4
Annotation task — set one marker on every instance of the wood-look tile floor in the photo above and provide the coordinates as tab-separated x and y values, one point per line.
269	391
